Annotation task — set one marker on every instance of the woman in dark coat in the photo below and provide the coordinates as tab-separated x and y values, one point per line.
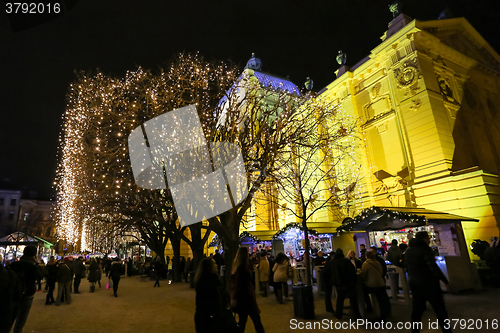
93	274
211	299
115	273
243	291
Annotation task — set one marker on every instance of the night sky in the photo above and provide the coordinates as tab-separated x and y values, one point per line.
295	38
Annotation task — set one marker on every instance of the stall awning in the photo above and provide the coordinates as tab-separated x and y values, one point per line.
324	227
263	235
395	218
47	244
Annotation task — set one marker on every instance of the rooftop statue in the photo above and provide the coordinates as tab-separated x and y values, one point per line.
395	9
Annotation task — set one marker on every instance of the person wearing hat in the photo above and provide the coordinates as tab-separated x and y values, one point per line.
29	273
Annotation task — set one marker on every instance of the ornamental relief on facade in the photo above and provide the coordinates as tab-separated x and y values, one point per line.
407	77
449	85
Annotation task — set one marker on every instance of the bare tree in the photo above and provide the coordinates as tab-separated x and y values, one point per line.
310	172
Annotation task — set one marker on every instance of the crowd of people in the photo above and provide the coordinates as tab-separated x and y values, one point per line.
215	310
417	259
20	280
219	311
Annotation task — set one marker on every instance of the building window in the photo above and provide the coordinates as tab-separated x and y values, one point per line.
11	215
48	231
1	201
26	216
13	202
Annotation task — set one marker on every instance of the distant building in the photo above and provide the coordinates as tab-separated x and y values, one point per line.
9	210
35	219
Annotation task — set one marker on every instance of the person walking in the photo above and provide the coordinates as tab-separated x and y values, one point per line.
280	270
264	273
93	274
99	271
243	298
29	273
64	277
51	277
115	273
187	269
344	279
371	272
79	270
423	277
158	267
212	307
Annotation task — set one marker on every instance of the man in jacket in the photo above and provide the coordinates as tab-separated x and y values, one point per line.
423	277
79	270
29	273
344	279
395	255
64	277
362	253
380	260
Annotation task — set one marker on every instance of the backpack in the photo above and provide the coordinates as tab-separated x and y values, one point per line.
21	277
16	286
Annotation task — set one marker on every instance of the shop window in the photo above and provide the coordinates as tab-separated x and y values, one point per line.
26	216
11	215
13	202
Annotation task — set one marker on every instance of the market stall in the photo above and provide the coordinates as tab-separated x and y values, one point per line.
255	243
292	238
383	224
12	246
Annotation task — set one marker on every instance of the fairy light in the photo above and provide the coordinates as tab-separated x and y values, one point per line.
94	179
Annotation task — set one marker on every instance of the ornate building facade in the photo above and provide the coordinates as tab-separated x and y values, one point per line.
428	107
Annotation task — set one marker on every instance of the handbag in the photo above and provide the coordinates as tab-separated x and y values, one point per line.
107	286
229	321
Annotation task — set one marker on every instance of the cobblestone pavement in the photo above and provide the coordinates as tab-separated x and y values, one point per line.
141	308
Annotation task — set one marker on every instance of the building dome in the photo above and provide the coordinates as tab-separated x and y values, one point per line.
254	63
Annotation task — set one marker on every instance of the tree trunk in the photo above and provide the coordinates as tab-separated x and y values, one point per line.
230	250
197	257
307	256
176	260
197	243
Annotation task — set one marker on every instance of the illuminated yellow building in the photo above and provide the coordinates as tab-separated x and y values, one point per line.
428	108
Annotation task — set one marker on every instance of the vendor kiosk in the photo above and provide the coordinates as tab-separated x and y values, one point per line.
383	224
12	246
